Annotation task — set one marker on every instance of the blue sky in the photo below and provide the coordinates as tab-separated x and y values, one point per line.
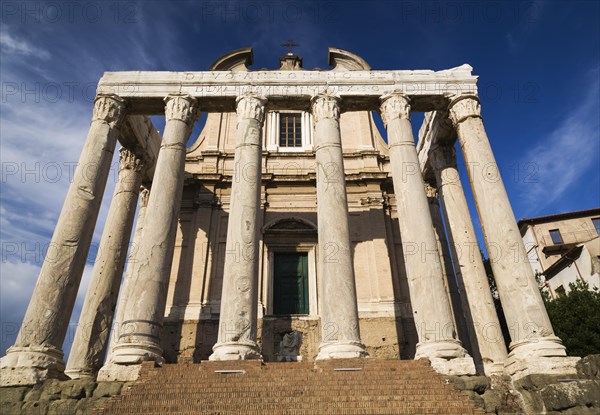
538	65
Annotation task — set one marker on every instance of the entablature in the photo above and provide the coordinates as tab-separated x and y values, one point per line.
360	90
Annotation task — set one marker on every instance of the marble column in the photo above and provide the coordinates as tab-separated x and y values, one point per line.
139	336
337	294
132	269
93	331
431	308
450	280
531	332
486	334
37	353
239	299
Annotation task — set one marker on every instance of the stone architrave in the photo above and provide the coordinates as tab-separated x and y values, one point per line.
485	331
532	336
239	299
431	307
139	335
337	294
132	268
93	331
37	353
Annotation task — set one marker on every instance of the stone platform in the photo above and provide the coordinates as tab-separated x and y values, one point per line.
344	386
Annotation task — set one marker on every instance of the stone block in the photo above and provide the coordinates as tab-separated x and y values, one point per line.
589	366
34	393
85	406
13	394
107	389
477	384
78	388
561	396
456	366
10	407
537	381
51	390
35	408
62	407
579	410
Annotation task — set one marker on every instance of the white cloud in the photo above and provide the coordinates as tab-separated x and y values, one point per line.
10	44
562	159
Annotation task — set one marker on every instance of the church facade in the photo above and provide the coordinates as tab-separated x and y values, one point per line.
289	230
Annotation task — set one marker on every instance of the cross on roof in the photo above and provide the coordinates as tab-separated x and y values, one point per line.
290	45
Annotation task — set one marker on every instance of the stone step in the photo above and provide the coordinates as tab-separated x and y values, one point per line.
379	387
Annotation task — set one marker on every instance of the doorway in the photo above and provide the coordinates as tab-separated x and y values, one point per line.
290	283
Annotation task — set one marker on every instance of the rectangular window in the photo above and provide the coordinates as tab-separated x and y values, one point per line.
596	222
290	129
556	237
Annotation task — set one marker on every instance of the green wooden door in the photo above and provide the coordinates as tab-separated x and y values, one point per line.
290	283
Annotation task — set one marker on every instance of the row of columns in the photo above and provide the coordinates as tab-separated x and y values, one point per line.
37	351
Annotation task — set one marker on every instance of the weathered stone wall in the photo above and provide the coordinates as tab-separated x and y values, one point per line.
192	341
54	397
537	394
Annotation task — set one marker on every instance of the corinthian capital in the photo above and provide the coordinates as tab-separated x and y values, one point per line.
251	105
431	191
108	108
394	105
325	105
442	157
128	160
463	107
181	107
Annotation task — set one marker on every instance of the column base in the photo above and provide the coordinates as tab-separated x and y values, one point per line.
31	365
493	368
79	373
113	372
341	350
136	353
543	355
447	357
442	349
235	351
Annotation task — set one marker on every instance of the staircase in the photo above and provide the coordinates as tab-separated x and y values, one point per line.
353	386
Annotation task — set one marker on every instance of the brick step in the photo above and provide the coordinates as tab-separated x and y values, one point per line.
347	379
263	397
316	390
381	387
322	411
169	408
242	377
253	391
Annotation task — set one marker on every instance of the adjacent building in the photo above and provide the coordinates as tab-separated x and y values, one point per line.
563	248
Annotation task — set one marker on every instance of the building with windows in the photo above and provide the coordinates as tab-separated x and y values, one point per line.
289	230
564	248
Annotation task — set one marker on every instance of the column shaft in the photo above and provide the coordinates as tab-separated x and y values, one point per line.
448	271
92	335
132	270
485	331
139	336
529	325
430	304
239	299
337	294
37	352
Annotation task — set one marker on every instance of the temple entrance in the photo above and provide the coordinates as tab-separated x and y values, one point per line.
290	279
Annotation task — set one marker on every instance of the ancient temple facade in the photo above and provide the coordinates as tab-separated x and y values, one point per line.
289	230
